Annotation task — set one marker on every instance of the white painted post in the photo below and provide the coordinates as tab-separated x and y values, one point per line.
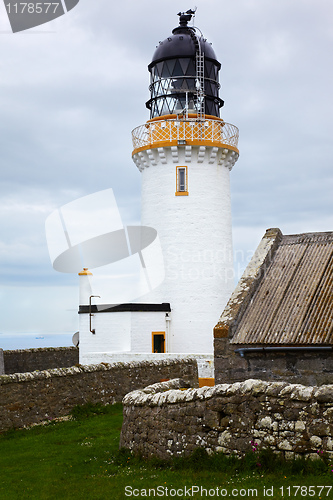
85	287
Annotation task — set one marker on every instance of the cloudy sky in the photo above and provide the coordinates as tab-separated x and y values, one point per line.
72	90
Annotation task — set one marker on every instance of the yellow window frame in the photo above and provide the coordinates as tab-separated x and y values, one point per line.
180	192
153	334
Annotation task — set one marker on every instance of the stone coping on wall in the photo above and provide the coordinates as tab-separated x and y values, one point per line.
205	361
247	284
78	369
41	349
172	392
168	419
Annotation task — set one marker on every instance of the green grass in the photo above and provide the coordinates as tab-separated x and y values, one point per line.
79	459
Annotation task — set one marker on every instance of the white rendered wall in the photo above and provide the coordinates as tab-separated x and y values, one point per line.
195	234
143	324
112	334
118	332
127	336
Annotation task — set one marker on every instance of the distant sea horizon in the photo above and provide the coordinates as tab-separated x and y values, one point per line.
13	341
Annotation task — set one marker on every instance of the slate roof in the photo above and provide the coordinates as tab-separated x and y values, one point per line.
285	296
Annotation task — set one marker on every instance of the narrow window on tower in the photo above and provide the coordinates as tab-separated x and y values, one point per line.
181	181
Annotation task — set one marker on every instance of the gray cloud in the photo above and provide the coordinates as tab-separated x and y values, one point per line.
70	98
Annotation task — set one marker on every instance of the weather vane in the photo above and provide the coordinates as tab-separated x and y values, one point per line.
185	17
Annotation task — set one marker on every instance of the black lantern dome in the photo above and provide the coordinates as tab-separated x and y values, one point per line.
184	74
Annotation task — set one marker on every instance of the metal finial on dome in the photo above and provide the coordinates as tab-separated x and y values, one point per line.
184	74
185	17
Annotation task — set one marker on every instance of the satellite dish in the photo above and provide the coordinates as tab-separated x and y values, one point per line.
76	339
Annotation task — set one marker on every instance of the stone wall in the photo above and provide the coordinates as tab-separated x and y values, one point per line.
29	360
291	419
295	366
27	398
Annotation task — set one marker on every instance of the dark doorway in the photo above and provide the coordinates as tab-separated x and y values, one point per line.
158	341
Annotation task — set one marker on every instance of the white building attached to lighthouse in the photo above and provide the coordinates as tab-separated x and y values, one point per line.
184	152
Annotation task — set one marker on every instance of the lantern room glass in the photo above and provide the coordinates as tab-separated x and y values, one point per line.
173	87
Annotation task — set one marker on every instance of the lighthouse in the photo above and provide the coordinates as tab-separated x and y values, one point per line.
185	152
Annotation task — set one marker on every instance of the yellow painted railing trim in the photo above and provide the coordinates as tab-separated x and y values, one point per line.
168	131
168	144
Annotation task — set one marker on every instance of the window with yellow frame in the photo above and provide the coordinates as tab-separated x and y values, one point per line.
181	181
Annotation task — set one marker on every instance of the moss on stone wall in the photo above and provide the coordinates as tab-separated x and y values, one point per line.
291	419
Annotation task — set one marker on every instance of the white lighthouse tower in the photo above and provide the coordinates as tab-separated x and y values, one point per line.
184	152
